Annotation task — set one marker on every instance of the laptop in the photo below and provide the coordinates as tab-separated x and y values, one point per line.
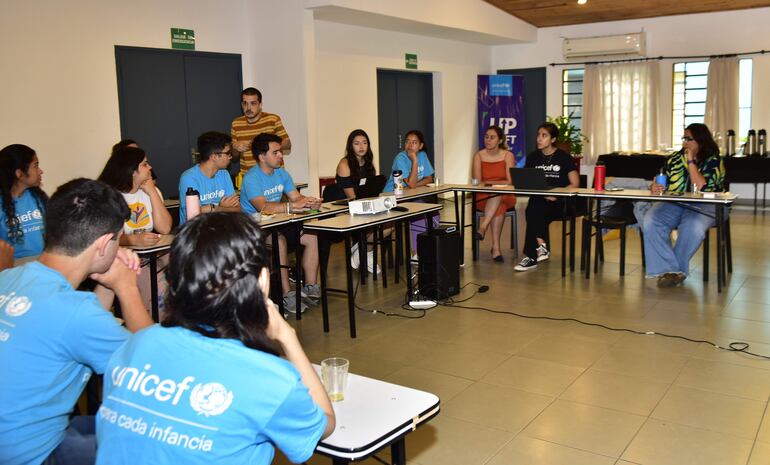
370	187
529	179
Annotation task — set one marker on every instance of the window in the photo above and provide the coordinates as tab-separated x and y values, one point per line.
689	99
572	95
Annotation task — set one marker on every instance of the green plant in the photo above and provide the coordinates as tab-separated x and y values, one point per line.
569	133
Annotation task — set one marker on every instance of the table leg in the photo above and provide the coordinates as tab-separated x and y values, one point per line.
462	228
399	251
154	286
351	295
587	239
563	238
298	271
755	198
407	257
324	249
363	267
458	225
474	227
384	265
720	248
398	452
275	284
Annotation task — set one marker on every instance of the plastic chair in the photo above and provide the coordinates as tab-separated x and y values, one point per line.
514	230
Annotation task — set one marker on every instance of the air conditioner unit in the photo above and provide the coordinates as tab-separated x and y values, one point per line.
623	44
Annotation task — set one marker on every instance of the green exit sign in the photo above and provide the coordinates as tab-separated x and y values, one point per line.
182	38
411	60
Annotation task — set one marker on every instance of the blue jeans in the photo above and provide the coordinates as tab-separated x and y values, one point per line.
692	222
79	444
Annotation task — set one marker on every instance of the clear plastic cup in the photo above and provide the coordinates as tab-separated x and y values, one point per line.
334	375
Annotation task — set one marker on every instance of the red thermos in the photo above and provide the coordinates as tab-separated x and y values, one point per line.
600	171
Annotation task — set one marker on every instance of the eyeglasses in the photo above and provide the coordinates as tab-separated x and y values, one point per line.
224	154
687	139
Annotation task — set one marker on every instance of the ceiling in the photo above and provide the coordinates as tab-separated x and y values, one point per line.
544	13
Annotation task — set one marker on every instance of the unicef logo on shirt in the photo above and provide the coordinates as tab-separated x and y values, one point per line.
210	399
556	168
17	306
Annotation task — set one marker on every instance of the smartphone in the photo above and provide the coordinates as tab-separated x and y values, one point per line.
613	189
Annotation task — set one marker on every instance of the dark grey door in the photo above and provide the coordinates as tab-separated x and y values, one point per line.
404	102
534	101
169	97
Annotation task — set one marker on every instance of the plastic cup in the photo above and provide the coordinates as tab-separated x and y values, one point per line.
334	375
474	182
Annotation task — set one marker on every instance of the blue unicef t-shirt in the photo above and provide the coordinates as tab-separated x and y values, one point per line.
403	163
52	338
174	396
270	186
30	217
211	190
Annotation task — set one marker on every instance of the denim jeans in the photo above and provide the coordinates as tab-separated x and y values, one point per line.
79	444
692	221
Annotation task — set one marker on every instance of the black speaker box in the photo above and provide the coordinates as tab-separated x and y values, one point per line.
439	267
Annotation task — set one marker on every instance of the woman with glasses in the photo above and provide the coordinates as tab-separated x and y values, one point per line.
21	215
223	379
696	168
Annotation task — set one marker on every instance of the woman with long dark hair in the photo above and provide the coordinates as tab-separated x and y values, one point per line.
356	164
128	171
560	171
208	383
696	168
493	164
21	216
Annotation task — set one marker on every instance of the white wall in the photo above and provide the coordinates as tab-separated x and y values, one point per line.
58	86
347	59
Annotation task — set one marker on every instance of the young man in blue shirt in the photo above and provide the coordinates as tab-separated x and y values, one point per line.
262	190
210	177
52	336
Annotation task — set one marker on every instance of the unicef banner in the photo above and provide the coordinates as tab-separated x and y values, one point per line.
501	103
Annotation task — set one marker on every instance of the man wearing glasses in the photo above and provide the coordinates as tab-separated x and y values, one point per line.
210	177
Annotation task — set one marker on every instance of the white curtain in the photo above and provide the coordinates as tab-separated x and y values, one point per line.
620	108
722	95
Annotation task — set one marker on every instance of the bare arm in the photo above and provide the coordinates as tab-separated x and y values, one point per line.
286	145
343	171
574	178
120	281
161	218
476	168
509	163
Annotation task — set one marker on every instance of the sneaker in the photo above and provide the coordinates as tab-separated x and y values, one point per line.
542	253
311	294
290	303
526	264
671	279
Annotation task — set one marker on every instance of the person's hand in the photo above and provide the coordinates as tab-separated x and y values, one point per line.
122	273
144	239
6	255
230	201
277	327
657	189
412	156
148	186
550	198
242	146
313	203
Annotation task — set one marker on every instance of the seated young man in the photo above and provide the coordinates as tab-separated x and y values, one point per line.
210	177
262	189
54	336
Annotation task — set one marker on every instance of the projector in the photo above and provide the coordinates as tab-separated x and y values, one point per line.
372	206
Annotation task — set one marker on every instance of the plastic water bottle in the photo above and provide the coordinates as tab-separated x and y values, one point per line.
398	182
662	179
192	202
600	173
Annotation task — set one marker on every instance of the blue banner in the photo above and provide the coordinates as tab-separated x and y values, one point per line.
501	103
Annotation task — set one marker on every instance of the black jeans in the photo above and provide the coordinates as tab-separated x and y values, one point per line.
540	212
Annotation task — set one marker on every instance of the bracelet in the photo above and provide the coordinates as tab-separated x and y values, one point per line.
691	162
287	208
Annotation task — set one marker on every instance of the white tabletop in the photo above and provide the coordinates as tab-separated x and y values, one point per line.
635	194
163	244
346	223
373	415
509	189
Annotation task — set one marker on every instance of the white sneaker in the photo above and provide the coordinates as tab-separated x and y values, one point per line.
542	253
370	263
290	303
526	264
355	260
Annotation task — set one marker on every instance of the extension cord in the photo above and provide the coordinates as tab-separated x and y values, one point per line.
422	304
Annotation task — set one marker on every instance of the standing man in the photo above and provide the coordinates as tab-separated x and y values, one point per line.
254	121
52	336
263	189
210	177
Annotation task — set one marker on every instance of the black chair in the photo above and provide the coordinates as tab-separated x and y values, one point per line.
619	216
577	209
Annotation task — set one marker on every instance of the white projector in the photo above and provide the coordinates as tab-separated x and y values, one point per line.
372	205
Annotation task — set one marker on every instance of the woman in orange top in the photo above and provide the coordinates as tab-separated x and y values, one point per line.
492	165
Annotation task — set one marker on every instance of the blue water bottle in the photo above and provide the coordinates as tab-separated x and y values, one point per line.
662	179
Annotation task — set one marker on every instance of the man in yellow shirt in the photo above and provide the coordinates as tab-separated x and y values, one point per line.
253	122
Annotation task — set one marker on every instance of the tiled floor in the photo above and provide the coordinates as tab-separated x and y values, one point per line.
524	391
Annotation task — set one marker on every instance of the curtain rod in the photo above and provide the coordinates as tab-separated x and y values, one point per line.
686	57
